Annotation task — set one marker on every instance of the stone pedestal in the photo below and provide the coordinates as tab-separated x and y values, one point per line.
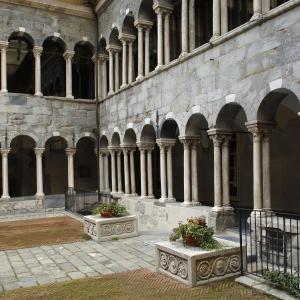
104	229
194	266
221	219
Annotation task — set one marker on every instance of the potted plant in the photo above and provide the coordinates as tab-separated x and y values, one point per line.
110	210
195	233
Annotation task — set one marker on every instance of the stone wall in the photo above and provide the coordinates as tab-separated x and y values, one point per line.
43	117
41	23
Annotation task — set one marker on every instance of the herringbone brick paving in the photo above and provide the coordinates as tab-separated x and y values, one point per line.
136	285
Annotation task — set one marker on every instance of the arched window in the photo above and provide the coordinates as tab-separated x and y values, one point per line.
20	63
53	67
83	70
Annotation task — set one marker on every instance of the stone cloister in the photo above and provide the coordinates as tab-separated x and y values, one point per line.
187	118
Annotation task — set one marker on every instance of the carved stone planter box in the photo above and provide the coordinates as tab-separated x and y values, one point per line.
194	266
104	229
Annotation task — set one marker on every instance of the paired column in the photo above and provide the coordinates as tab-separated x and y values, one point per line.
101	171
5	189
146	149
111	71
126	171
116	175
114	68
119	172
37	51
3	47
113	172
163	12
190	163
132	172
257	9
127	58
221	140
39	172
166	169
106	171
68	55
261	164
70	153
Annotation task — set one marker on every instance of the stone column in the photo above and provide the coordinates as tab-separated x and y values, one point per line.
217	140
170	174
163	181
140	52
68	55
257	165
225	173
194	174
192	26
5	189
70	153
216	19
132	173
184	28
266	6
224	16
147	49
149	169
167	37
39	172
124	63
126	172
111	71
143	172
3	47
186	172
37	51
113	172
267	204
130	62
106	172
103	61
101	172
119	168
257	9
117	71
159	13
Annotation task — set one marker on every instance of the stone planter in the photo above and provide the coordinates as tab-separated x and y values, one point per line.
194	266
104	229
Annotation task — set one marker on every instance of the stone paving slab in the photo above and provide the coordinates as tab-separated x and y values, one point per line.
50	264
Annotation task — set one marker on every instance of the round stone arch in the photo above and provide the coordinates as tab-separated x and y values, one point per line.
278	116
114	36
103	141
148	133
89	135
171	121
130	137
31	135
48	136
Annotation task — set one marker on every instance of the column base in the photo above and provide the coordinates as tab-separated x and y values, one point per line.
140	77
124	85
214	37
70	97
228	208
218	209
110	93
39	196
186	204
158	67
133	195
39	94
167	200
183	54
221	220
194	203
150	197
256	16
4	198
4	91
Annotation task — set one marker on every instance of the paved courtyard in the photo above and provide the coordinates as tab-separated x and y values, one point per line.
49	264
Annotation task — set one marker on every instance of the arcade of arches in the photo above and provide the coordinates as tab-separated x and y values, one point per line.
237	163
161	32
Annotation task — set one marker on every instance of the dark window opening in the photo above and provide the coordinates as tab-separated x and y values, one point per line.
53	68
175	30
239	12
275	3
83	73
20	65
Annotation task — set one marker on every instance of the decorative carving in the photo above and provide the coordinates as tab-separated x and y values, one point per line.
174	264
217	266
90	228
117	228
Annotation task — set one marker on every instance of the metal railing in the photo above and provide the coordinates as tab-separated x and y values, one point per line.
82	201
270	240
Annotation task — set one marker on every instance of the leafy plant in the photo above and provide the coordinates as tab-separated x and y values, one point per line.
110	210
195	232
286	281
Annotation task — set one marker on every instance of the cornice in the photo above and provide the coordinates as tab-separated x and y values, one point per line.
55	6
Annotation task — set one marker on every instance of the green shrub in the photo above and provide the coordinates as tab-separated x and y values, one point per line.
110	209
286	281
195	233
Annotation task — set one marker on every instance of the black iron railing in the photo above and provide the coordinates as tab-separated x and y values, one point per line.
82	202
269	241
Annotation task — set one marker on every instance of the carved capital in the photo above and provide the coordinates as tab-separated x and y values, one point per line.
68	54
70	151
37	51
39	151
